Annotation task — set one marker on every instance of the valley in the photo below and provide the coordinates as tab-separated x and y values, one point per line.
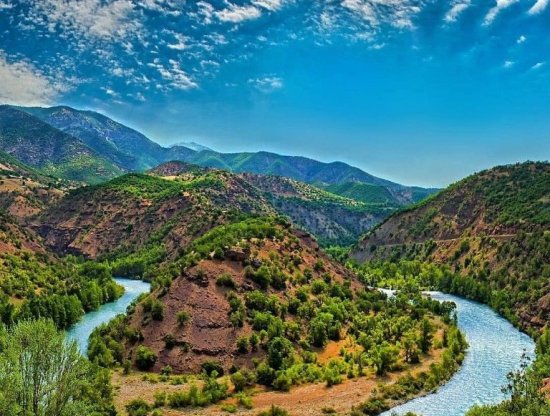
254	273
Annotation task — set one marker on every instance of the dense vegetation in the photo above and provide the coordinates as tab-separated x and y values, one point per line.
37	284
518	280
41	374
291	311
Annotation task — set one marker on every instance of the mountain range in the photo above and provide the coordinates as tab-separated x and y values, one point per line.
107	148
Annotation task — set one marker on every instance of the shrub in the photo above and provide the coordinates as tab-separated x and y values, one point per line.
145	358
225	280
157	310
138	407
274	411
242	344
182	317
210	366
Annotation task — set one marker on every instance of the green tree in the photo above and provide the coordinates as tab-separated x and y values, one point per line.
145	358
42	374
280	350
426	335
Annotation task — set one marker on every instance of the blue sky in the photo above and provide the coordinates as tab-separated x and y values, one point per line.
417	91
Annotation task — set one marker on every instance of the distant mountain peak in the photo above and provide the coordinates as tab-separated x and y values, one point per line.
197	147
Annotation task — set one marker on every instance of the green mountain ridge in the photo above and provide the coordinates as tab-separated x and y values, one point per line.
129	150
50	150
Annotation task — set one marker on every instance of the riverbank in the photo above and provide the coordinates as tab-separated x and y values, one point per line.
496	347
81	331
307	400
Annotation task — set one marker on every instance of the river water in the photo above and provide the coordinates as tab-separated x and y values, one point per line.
495	349
83	329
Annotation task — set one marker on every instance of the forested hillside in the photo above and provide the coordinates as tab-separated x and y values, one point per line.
54	152
492	229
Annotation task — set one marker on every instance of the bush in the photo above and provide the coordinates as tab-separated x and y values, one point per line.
242	344
279	353
210	366
182	317
145	358
274	411
242	379
138	407
225	280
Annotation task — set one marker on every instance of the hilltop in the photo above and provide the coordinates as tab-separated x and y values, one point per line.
258	303
144	212
333	219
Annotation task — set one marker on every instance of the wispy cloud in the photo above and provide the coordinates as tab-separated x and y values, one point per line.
538	7
496	9
267	84
272	5
181	42
456	10
236	14
86	18
521	39
173	73
397	13
23	84
538	65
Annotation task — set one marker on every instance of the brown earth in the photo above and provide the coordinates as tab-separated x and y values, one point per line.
209	332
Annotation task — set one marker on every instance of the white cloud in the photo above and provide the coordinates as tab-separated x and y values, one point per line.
5	6
496	9
397	13
267	84
87	18
538	65
538	7
458	7
272	5
508	64
181	42
236	14
177	78
22	83
203	14
521	39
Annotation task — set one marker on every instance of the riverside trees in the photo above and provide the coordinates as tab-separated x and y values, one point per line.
41	374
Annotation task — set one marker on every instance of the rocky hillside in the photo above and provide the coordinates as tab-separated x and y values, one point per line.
215	321
258	298
34	282
50	150
141	212
25	192
494	226
333	219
